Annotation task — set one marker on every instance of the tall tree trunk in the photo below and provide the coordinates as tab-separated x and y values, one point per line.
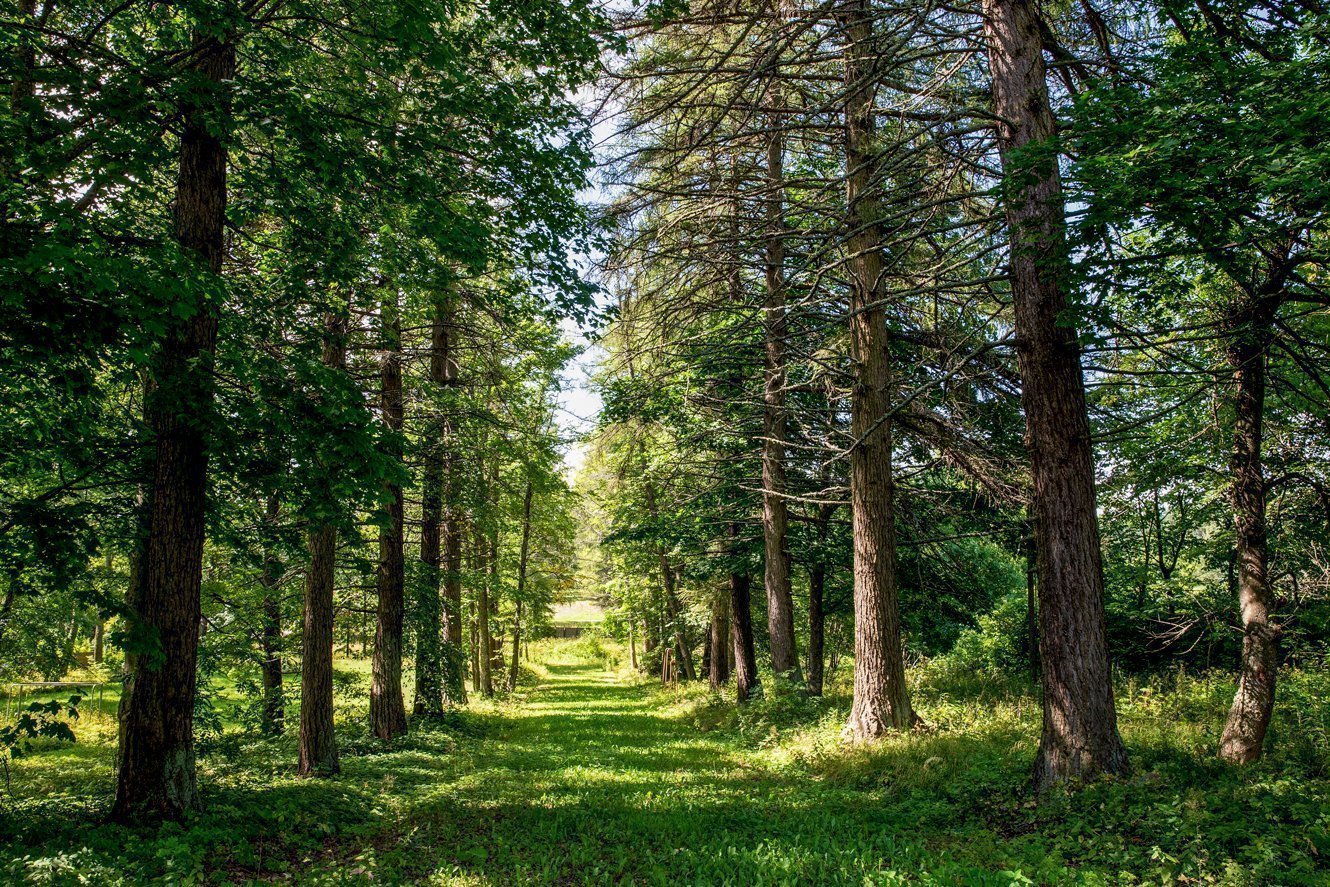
475	640
741	635
517	647
387	711
1249	718
495	598
675	610
156	776
817	617
452	653
632	644
741	628
1080	734
485	643
318	742
673	607
99	627
706	653
719	660
429	637
650	636
133	587
1031	601
270	634
523	554
775	516
881	697
817	627
454	658
72	635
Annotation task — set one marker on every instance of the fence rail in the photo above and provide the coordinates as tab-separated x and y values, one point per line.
14	700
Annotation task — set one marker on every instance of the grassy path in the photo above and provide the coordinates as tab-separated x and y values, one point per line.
586	779
590	781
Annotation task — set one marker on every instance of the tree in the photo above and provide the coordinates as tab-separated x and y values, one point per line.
430	666
775	517
1080	736
156	774
1239	249
318	743
387	711
881	697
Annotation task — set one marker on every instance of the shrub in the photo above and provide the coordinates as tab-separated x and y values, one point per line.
994	647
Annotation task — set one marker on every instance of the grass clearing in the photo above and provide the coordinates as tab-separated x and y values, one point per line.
591	778
578	613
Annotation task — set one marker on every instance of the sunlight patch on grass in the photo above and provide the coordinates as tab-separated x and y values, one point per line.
585	612
588	779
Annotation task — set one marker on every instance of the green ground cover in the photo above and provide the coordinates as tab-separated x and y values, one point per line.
587	776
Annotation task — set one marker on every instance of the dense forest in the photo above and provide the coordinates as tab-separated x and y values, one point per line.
553	441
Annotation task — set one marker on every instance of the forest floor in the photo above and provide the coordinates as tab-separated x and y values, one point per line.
592	778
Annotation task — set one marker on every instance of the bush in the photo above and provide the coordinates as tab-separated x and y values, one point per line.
592	648
995	647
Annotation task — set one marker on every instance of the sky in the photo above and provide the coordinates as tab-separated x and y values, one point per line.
579	404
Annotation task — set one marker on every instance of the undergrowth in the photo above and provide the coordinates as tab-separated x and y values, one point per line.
588	776
1179	817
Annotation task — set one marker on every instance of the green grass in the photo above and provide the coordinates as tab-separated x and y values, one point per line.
593	777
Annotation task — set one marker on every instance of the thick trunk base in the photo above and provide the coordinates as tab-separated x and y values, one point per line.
1254	704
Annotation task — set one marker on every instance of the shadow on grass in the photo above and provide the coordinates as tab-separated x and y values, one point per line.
590	781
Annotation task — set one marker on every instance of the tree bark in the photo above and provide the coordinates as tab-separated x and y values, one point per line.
741	630
387	711
674	609
475	642
881	697
650	635
454	684
99	627
133	589
817	625
1031	602
496	640
1253	705
817	617
1080	736
485	643
718	671
522	557
429	636
318	741
453	653
741	636
270	635
775	516
157	776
